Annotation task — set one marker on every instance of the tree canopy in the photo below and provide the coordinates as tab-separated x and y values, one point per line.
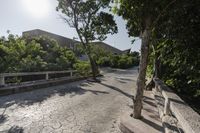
18	54
172	29
90	21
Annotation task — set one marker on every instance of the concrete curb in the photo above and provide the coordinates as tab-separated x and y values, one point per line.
170	123
36	85
150	123
131	125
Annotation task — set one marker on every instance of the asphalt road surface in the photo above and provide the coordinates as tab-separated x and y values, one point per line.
78	107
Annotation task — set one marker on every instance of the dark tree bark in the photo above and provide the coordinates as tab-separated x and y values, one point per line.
93	67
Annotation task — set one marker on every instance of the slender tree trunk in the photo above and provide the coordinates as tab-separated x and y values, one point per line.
137	101
93	67
92	62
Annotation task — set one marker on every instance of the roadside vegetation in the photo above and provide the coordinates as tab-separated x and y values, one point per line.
170	48
104	58
90	21
170	45
18	54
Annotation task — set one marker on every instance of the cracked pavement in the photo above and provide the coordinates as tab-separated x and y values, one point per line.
78	107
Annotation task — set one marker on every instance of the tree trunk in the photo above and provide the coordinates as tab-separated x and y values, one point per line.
137	100
93	67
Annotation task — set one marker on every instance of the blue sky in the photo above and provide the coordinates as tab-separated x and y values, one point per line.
22	15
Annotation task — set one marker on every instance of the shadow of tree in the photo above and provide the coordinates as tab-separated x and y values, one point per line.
16	129
40	95
149	102
124	82
117	89
152	124
125	79
3	118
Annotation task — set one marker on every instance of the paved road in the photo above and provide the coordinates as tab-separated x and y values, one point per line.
79	107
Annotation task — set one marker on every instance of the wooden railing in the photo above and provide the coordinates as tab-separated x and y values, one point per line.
46	73
176	107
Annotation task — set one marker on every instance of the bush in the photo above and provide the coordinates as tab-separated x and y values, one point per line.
19	54
123	61
114	61
104	61
83	68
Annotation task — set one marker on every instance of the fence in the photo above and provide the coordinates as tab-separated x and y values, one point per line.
46	74
174	106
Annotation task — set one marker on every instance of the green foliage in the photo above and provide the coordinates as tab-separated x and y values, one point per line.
140	14
124	61
83	68
19	54
175	34
180	67
104	61
90	21
114	61
107	59
179	48
79	50
88	18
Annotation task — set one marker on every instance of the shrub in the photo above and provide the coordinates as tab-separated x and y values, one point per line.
123	61
114	61
104	61
83	68
18	54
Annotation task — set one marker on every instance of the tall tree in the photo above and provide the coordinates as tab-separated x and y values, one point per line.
90	21
142	17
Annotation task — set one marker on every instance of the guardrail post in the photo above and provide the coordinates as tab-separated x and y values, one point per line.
167	107
47	76
2	80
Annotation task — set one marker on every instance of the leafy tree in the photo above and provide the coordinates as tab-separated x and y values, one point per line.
142	17
19	54
178	50
173	34
57	57
16	54
90	21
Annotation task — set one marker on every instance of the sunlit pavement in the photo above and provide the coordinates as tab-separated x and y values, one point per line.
79	107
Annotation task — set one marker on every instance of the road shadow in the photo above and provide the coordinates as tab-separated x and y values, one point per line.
125	79
117	89
16	129
13	129
3	118
152	124
40	95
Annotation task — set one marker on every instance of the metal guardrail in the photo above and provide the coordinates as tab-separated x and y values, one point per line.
46	73
173	104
